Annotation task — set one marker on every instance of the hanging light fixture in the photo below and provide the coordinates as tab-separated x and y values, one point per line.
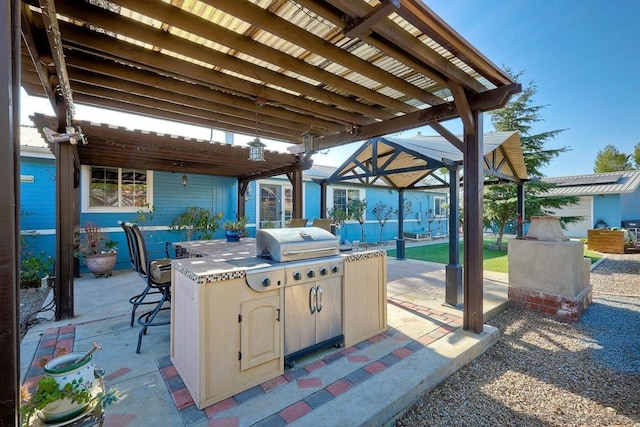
256	147
185	180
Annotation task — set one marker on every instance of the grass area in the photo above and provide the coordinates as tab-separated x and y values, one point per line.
493	260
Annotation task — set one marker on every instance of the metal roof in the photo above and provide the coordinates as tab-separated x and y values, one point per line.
411	162
595	184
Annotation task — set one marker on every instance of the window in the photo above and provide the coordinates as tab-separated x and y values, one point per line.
107	189
342	197
441	206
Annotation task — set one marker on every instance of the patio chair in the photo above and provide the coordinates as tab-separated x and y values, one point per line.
157	276
143	297
324	223
297	222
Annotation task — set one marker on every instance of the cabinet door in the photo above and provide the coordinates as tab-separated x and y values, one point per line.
259	332
365	298
329	311
299	317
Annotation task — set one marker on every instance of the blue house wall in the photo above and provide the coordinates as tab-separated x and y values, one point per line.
218	194
607	208
630	206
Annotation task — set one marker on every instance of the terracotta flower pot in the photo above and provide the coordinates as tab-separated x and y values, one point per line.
101	264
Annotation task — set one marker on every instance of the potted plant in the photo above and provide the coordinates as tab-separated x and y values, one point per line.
97	250
234	230
70	388
199	223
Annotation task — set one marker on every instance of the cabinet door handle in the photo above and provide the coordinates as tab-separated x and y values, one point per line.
319	299
277	314
312	300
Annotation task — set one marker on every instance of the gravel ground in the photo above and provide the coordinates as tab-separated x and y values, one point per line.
31	301
546	373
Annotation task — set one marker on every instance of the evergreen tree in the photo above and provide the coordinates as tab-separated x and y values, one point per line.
610	159
500	200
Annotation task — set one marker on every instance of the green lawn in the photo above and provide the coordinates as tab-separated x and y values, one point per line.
494	260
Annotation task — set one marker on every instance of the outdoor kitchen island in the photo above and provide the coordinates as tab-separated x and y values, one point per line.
237	320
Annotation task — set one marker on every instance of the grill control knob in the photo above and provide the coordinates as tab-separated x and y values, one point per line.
323	271
266	282
311	274
334	269
297	275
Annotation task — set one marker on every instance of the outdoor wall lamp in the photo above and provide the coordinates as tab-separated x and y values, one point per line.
185	180
256	150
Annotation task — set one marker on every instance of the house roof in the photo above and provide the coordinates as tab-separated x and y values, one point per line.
595	184
411	162
312	73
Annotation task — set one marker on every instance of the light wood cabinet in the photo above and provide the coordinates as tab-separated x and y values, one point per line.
225	337
365	296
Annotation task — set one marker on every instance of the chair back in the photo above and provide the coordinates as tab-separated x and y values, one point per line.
133	257
297	222
324	223
140	246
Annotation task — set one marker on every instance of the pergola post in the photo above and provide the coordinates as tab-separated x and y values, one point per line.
520	211
66	209
323	199
473	317
297	185
10	218
453	288
400	240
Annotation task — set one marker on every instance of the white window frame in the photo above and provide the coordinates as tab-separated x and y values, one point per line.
438	201
86	187
284	185
361	195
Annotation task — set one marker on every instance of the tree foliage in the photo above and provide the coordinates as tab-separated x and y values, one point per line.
500	201
610	159
636	155
383	213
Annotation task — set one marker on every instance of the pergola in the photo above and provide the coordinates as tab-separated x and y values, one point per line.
316	74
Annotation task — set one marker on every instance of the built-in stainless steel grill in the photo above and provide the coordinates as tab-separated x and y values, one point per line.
313	273
292	244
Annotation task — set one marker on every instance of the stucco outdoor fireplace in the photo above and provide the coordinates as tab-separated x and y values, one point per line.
548	272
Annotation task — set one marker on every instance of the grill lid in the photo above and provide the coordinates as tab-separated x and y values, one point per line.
292	244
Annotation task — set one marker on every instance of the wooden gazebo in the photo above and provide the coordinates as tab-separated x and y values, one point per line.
316	74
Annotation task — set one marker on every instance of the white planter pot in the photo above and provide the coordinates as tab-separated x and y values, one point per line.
64	410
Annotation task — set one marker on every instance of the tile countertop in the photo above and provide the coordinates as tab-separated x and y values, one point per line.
219	260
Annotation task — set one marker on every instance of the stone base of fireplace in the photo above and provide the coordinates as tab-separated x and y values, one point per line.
563	308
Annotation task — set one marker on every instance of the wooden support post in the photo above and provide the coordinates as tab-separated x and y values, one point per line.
473	317
65	218
10	218
323	199
297	193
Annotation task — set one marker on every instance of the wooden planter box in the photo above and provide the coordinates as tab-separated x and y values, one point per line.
608	241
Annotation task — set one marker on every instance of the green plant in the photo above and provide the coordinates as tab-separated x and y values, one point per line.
94	242
357	208
383	213
33	268
238	224
338	215
48	391
198	222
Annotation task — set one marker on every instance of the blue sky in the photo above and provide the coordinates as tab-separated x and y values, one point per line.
584	56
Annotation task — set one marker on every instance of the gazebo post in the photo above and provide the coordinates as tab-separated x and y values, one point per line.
453	288
400	240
